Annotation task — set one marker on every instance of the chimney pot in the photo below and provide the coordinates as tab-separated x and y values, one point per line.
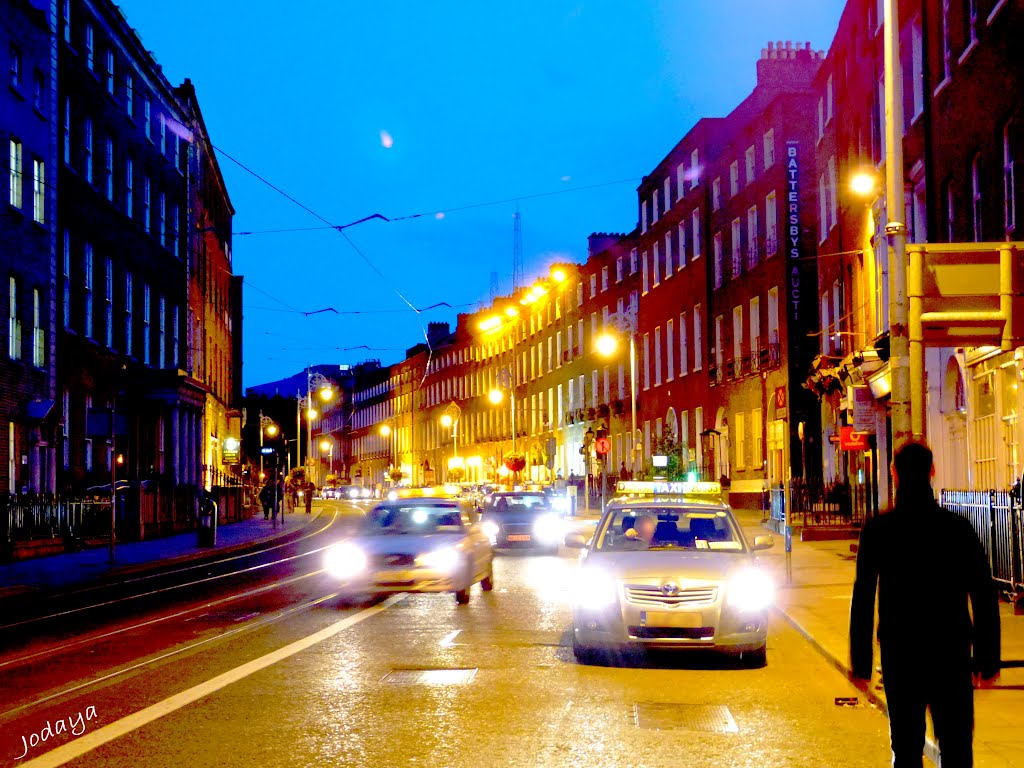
771	45
807	45
764	53
789	45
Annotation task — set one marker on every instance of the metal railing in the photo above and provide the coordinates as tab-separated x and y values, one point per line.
819	505
996	518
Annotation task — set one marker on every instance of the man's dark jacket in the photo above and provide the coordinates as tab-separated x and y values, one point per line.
927	562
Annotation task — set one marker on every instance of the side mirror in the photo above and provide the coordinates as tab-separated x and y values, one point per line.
575	541
763	542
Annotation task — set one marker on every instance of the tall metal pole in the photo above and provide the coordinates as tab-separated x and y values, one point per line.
113	473
298	429
261	446
632	404
896	232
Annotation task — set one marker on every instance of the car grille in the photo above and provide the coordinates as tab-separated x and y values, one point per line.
514	528
672	633
647	594
394	561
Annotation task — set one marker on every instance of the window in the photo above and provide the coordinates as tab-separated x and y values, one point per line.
108	301
668	192
734	178
163	137
88	441
947	47
579	295
976	197
757	438
67	130
670	350
108	169
684	354
755	326
87	288
656	263
145	204
737	333
698	339
1009	184
175	348
695	218
694	169
829	101
972	24
773	315
750	161
737	253
950	209
67	39
769	148
668	254
15	173
717	262
681	237
833	206
87	149
647	361
632	261
129	94
719	323
657	356
604	279
66	247
716	193
821	118
13	323
175	224
752	254
645	280
161	359
90	46
824	325
129	303
618	269
579	337
38	190
15	67
162	219
654	207
771	220
593	286
147	122
38	89
680	180
110	72
643	216
146	320
822	209
129	188
837	316
917	69
741	440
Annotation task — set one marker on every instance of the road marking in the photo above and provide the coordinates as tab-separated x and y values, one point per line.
448	641
74	749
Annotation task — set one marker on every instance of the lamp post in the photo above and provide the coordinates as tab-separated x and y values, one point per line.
625	322
321	385
268	427
387	431
450	419
497	394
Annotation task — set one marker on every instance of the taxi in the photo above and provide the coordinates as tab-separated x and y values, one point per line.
424	540
668	567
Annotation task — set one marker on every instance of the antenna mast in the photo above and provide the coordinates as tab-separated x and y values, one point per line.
517	251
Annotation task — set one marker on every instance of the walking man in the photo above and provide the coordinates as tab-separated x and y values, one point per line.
931	574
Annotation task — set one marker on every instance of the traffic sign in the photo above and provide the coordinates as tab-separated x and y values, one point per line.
266	450
852	441
602	445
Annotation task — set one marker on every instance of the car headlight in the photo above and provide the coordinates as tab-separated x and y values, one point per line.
345	560
548	528
750	590
595	589
445	559
354	493
366	493
490	529
392	495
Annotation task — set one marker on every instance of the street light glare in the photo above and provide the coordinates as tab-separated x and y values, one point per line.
272	429
863	184
327	394
607	344
325	445
511	311
385	430
446	420
496	396
558	275
490	323
311	413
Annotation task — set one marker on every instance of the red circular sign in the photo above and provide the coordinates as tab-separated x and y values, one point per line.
602	445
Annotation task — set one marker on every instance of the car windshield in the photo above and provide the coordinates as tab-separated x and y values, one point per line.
517	503
660	528
388	519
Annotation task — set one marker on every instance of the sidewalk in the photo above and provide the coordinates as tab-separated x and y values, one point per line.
817	604
66	571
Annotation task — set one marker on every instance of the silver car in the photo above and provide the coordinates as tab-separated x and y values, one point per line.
672	570
414	545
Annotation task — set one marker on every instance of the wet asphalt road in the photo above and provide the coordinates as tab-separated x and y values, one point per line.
278	675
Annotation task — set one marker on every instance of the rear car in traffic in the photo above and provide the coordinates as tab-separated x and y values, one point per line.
669	567
522	519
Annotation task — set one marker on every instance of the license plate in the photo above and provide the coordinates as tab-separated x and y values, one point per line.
519	537
395	577
672	619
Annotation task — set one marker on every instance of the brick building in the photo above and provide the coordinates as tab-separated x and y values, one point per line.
28	130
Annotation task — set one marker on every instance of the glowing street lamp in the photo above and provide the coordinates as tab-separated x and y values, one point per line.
607	345
863	184
450	420
267	427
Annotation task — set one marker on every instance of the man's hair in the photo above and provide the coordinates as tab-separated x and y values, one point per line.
913	465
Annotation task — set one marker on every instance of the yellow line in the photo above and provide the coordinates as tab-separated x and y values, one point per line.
90	741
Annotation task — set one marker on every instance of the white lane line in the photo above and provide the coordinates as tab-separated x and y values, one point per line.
448	640
90	741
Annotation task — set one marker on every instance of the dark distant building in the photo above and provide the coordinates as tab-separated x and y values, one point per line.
28	208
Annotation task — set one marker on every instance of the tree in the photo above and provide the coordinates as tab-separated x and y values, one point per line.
677	468
456	474
396	474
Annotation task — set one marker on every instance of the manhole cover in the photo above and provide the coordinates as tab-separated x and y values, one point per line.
684	717
429	676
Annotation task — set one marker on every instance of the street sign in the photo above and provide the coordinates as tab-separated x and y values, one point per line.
780	397
266	450
863	409
602	445
849	440
231	453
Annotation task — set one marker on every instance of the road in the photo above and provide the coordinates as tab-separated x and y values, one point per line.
264	669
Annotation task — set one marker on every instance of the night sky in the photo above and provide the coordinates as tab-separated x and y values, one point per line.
428	107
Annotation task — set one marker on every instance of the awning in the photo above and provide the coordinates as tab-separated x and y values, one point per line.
37	410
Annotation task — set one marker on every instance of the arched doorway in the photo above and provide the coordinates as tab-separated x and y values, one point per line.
957	473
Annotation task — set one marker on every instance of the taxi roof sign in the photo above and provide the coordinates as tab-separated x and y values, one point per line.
662	488
436	491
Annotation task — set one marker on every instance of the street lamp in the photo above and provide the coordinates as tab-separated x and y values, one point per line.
624	322
269	428
327	446
450	420
323	388
497	394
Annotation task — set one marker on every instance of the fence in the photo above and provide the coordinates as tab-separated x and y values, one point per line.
996	518
815	504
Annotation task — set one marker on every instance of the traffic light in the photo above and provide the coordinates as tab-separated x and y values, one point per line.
602	432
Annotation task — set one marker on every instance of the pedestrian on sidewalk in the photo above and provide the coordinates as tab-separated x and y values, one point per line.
931	574
267	499
308	497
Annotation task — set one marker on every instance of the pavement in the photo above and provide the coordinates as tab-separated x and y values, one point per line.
817	604
63	572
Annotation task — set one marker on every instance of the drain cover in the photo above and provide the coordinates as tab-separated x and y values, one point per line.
429	676
684	717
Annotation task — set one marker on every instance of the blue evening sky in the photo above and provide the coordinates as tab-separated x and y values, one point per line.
482	102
